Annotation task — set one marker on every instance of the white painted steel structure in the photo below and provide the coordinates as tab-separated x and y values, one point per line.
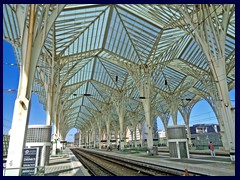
106	67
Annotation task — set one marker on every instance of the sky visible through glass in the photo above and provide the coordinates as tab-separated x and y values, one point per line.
201	113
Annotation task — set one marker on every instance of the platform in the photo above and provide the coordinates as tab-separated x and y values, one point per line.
203	164
65	164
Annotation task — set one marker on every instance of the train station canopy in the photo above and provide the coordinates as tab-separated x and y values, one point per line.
95	52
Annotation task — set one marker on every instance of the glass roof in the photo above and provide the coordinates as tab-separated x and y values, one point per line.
98	47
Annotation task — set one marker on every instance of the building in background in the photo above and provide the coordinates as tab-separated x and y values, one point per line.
162	138
5	145
202	134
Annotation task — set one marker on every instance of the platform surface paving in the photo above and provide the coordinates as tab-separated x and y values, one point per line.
65	164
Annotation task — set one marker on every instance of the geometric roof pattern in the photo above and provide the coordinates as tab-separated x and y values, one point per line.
97	49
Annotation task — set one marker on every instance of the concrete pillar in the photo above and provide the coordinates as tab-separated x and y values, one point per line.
79	138
86	139
48	122
178	150
43	156
119	102
22	106
226	120
222	124
174	109
166	132
131	133
48	111
124	137
185	112
135	136
147	110
47	155
94	137
216	106
17	137
174	116
165	120
54	147
100	137
108	133
90	138
189	134
116	135
145	90
121	119
140	133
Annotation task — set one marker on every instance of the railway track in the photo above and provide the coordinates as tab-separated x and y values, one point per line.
118	166
102	166
95	169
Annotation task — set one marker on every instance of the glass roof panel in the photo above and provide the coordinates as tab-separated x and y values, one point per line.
88	103
173	78
80	73
141	33
78	29
102	74
77	103
79	92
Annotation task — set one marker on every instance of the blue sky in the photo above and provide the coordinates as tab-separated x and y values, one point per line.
201	112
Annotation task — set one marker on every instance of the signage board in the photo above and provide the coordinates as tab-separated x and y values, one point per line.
30	159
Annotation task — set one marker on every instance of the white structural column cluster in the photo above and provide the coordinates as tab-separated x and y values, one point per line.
32	41
185	112
144	85
115	128
22	103
107	118
125	133
206	35
55	136
57	85
120	102
99	125
173	107
216	106
87	137
165	120
93	130
89	133
99	122
82	137
52	105
140	129
174	100
134	116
